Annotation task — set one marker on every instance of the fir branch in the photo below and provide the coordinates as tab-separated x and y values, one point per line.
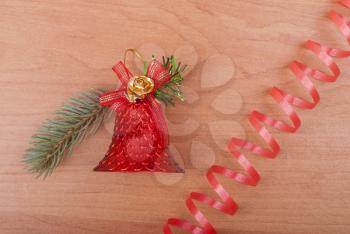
80	117
171	90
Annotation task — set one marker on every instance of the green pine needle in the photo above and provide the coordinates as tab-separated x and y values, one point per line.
80	117
170	91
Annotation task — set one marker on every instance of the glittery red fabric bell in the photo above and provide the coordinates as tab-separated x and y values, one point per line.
140	140
137	143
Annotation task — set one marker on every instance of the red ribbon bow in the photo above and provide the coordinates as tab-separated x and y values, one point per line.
156	71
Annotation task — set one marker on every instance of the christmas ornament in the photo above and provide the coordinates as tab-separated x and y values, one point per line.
140	140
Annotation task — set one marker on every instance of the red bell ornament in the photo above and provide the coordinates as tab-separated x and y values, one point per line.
140	140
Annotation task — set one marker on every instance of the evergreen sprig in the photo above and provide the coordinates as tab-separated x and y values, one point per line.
171	90
79	118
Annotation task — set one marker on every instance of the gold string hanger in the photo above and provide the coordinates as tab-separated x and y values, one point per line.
136	53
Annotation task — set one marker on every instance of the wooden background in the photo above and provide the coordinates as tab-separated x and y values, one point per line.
50	50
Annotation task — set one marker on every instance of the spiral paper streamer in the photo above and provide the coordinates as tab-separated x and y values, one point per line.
258	120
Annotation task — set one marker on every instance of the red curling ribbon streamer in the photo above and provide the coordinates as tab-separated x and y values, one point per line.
258	120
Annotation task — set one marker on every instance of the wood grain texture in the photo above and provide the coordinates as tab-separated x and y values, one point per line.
50	50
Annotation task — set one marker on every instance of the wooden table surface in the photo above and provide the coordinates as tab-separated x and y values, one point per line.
237	50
